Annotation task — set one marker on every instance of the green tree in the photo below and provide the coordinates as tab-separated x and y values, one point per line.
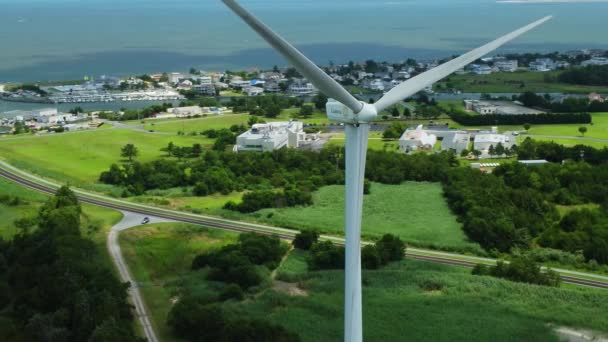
306	111
527	127
582	130
499	150
370	258
395	112
129	151
320	100
305	239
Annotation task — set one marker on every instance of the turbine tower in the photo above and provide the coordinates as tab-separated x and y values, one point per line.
356	115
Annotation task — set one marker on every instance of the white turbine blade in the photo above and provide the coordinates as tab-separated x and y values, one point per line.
416	84
310	70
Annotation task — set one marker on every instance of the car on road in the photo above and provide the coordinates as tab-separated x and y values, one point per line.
145	220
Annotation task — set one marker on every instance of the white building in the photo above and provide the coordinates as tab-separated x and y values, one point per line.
271	136
175	77
480	107
542	65
253	91
457	142
481	69
483	141
416	139
596	61
185	111
510	65
49	116
301	88
239	84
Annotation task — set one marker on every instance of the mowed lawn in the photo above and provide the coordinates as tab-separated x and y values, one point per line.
198	124
375	141
79	158
417	212
417	300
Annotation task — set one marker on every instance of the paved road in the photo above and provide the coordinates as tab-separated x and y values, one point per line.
131	220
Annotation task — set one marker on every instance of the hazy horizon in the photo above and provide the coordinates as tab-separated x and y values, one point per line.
59	39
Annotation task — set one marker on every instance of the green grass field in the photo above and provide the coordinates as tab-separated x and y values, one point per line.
414	211
506	82
419	300
9	214
79	158
159	257
197	125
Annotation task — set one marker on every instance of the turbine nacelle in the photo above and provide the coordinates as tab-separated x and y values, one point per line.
338	112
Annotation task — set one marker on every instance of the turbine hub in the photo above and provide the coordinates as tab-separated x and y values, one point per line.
338	112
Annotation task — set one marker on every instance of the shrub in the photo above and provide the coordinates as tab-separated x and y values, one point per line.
370	258
390	248
325	256
521	269
305	239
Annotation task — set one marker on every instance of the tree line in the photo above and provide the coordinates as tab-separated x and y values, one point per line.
279	178
594	75
515	207
53	286
567	105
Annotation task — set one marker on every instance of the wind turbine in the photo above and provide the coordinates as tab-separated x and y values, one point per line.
356	115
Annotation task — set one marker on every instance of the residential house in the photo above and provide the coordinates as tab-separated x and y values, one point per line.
542	65
302	88
504	65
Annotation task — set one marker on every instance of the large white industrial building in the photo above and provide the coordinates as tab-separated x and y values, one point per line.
456	141
483	141
271	136
417	139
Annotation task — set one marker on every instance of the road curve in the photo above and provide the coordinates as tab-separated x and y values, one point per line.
128	221
440	257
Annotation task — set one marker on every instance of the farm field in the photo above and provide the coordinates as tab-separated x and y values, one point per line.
79	158
416	212
408	298
515	82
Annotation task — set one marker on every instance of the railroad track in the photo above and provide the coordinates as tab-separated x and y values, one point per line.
247	229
